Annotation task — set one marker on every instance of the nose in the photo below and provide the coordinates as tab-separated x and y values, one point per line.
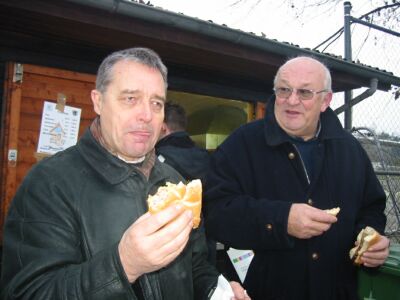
293	99
145	113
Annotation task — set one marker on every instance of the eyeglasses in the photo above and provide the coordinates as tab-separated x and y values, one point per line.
303	94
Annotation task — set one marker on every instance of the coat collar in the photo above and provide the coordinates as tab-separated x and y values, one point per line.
108	166
331	127
178	139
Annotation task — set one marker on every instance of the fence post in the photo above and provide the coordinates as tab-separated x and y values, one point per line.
348	95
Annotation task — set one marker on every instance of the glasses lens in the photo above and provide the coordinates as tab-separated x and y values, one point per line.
283	92
305	94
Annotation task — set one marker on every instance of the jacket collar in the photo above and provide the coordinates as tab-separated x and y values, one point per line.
178	139
108	166
331	127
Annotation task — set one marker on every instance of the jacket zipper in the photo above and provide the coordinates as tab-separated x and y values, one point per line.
302	163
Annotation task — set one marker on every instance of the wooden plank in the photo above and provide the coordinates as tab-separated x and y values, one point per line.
32	122
12	140
34	106
27	141
5	120
59	73
23	106
85	85
47	89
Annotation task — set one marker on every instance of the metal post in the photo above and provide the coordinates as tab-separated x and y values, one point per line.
348	95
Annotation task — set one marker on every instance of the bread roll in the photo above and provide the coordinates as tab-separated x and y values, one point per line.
366	238
333	211
188	195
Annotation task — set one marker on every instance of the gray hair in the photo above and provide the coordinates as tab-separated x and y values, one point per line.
143	56
328	77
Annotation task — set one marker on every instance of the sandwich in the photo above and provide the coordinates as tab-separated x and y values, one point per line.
333	211
189	195
365	239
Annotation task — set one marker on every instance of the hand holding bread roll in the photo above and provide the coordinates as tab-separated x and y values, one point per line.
188	195
365	239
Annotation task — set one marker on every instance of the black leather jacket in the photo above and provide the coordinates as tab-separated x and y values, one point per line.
65	223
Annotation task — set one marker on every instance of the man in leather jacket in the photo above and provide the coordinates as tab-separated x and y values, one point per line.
78	227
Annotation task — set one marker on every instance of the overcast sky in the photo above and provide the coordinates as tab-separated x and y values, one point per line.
301	24
308	27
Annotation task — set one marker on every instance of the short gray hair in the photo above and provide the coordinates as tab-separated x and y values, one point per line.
328	77
143	56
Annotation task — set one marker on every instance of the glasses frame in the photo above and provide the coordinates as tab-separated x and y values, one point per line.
301	97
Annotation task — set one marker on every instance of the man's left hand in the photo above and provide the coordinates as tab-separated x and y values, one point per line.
239	291
376	254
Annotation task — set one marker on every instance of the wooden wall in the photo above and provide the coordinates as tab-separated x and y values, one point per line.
22	113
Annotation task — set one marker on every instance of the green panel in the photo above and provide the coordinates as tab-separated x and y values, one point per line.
383	284
220	120
380	286
209	141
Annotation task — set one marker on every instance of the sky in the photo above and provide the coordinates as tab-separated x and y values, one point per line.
307	26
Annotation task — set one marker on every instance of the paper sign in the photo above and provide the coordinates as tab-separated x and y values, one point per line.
58	130
241	260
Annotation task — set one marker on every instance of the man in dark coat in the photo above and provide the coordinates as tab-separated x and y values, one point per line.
78	227
271	180
178	150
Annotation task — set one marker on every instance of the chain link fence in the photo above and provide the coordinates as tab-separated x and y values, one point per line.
385	157
376	121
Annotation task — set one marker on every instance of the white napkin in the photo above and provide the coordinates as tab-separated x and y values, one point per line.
223	290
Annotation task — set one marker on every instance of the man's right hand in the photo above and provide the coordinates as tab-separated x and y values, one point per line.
306	221
153	241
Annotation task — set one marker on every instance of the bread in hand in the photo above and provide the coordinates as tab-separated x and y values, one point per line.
188	195
333	211
365	239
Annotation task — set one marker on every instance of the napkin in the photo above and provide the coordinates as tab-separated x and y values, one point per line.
223	290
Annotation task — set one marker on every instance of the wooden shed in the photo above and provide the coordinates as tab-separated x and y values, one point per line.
50	48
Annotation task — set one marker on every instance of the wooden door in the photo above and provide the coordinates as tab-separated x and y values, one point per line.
23	101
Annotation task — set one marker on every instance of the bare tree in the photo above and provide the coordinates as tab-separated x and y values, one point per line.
386	13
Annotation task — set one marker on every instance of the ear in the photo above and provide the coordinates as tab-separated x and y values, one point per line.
165	129
326	101
97	101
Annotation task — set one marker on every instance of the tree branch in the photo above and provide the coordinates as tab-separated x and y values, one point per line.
379	9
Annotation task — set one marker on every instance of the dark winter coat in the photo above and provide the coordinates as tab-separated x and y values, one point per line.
179	151
256	175
66	220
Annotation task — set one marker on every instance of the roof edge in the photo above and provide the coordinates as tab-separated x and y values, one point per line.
221	32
